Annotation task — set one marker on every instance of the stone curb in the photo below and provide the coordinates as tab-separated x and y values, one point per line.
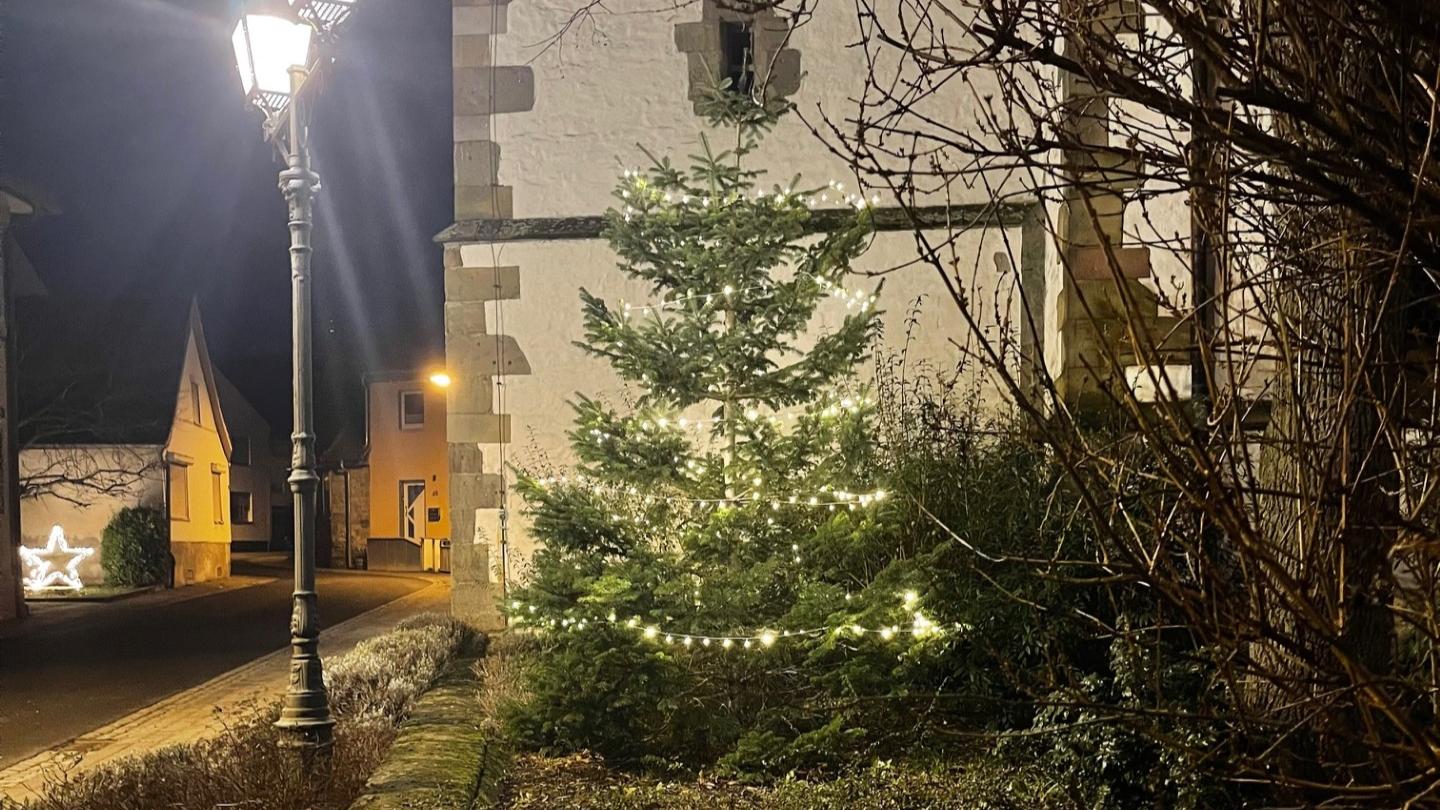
443	757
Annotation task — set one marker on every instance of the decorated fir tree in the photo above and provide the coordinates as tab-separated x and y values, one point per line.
675	588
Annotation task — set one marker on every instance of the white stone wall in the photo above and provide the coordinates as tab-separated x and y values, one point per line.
620	79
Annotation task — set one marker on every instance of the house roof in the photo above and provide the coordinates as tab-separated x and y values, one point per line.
105	372
26	199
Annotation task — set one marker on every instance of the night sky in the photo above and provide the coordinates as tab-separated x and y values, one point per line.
129	114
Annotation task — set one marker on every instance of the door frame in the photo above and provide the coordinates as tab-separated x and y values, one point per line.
405	489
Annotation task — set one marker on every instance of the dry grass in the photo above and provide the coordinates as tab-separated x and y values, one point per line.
502	676
372	689
581	782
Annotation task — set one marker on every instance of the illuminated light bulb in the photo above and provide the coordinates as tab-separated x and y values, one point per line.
859	631
669	639
688	641
729	290
652	631
921	625
706	642
747	643
767	638
727	643
887	634
910	598
814	500
632	622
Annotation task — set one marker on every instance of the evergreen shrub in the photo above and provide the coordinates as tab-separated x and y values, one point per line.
135	548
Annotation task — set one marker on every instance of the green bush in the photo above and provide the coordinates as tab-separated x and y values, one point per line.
135	549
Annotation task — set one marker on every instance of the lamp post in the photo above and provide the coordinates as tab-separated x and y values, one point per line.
275	54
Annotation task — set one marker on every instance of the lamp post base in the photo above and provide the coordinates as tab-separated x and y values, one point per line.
309	748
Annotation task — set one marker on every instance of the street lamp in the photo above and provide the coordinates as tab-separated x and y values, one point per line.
326	15
275	54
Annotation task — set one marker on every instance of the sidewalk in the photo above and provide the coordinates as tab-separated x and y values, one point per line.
199	712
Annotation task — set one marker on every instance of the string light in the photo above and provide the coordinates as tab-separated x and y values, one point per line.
825	499
853	299
919	626
647	424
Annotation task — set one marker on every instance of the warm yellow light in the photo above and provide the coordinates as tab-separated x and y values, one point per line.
266	47
440	379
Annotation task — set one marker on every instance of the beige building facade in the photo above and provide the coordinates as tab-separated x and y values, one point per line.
388	502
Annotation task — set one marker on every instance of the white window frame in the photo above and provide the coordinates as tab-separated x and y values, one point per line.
405	425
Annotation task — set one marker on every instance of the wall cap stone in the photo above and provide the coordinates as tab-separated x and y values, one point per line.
443	757
887	218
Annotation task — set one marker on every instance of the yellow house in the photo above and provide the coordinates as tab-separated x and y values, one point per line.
389	504
122	409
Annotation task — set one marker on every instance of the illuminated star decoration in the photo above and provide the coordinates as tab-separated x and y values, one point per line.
41	572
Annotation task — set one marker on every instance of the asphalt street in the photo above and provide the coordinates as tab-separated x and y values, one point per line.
74	668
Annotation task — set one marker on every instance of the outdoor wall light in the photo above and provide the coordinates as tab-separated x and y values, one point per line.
440	379
266	48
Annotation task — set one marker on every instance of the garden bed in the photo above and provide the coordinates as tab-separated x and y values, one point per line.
581	782
99	593
372	690
532	781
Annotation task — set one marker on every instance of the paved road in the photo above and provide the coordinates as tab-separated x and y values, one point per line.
73	668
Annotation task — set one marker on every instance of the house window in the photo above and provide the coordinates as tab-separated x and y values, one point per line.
242	508
217	494
179	492
412	410
195	402
742	46
240	450
737	55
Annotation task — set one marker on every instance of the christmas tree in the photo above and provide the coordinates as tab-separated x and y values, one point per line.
673	591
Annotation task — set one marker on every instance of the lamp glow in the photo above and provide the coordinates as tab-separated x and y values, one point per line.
440	379
266	48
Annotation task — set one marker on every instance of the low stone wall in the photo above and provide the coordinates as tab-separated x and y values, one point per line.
442	758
